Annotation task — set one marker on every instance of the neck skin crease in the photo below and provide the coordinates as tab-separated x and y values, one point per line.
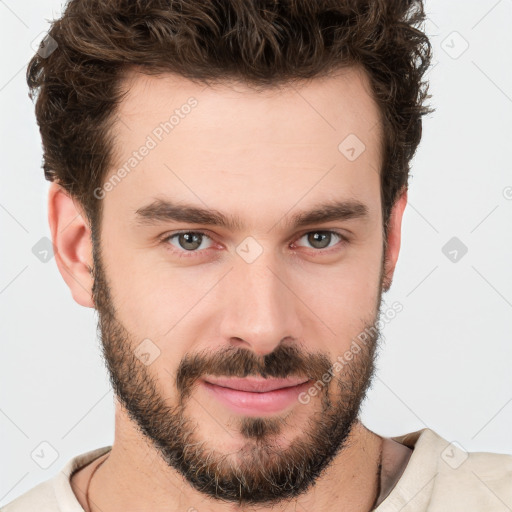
133	477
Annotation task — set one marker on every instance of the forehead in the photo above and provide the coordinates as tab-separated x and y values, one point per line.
180	139
339	102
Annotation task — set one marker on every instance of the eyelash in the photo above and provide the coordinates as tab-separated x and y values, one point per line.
197	253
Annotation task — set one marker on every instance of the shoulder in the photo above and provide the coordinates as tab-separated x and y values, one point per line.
453	460
56	493
482	480
41	498
445	476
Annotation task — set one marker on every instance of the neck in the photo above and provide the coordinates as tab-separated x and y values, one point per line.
134	476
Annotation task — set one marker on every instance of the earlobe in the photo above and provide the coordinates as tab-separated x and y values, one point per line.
394	239
71	236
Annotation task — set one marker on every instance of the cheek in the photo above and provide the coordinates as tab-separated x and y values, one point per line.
156	306
341	310
347	289
139	307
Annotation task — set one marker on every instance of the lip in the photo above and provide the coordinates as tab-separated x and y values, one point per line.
255	396
255	384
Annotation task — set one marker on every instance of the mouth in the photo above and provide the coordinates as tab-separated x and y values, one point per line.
254	396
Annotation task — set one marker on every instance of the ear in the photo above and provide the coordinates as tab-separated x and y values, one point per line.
71	236
394	239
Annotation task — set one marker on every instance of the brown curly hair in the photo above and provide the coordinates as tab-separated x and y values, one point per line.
259	42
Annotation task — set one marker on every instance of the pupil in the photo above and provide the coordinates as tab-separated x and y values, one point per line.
319	234
195	242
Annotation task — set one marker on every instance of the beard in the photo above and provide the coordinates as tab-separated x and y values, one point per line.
261	471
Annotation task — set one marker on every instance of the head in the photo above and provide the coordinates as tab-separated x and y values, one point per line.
229	184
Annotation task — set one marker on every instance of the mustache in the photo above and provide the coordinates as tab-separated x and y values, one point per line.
284	361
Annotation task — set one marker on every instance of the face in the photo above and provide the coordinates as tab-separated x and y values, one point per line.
275	282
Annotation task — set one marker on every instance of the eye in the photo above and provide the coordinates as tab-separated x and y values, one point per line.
187	241
322	239
190	243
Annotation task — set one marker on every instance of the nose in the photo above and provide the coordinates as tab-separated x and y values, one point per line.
260	310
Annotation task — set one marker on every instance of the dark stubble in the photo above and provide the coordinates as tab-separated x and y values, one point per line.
262	472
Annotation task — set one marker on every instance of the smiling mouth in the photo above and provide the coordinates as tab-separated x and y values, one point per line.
255	396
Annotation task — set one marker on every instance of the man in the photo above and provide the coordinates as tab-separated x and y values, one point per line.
228	188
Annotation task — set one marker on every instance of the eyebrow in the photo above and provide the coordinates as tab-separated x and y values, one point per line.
161	210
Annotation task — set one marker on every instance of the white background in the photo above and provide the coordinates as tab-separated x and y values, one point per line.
445	363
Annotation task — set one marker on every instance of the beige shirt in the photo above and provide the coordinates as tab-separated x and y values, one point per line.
439	477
